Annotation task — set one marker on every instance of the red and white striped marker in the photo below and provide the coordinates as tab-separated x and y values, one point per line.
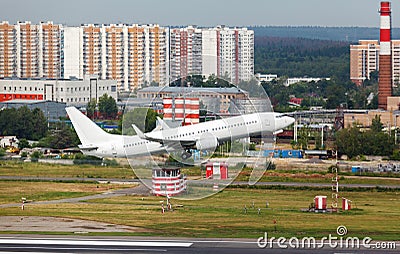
385	29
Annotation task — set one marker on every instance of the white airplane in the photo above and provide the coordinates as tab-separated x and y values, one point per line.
202	136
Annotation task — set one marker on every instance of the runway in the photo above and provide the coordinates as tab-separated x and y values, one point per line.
82	244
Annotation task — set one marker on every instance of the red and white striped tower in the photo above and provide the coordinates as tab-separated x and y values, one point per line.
385	56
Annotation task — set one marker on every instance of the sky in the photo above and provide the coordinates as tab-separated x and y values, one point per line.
362	13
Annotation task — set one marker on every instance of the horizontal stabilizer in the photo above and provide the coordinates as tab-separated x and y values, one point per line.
278	131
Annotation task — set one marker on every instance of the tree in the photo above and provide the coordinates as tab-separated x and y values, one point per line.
23	123
108	106
23	143
62	137
91	107
376	125
39	123
352	142
144	118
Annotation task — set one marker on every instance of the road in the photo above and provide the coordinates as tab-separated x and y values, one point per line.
83	244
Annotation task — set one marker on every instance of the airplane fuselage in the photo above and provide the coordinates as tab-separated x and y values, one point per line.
223	130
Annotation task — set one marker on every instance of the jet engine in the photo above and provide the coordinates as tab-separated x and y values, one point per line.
207	141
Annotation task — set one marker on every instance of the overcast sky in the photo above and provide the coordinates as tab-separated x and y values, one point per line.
200	12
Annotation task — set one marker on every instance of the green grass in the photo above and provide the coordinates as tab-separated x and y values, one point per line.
222	215
17	168
13	191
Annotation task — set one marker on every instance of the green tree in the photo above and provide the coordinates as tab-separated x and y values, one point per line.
23	143
144	118
23	123
376	125
91	107
108	106
39	123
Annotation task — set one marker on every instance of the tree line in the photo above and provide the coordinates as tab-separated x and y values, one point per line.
299	57
23	123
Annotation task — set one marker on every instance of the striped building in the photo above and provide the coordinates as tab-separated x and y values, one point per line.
181	109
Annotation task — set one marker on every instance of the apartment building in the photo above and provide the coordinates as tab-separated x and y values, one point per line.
364	59
157	55
185	52
225	52
7	49
133	55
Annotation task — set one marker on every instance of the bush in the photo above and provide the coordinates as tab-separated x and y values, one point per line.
86	159
2	152
332	168
271	166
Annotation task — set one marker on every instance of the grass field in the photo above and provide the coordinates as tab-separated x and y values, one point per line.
17	168
375	214
222	215
13	191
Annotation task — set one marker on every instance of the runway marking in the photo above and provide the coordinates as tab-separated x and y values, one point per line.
97	243
69	249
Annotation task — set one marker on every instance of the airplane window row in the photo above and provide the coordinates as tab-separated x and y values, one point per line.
135	144
214	129
234	125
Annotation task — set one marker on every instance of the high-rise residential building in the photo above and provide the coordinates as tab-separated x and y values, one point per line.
236	53
30	51
185	52
112	54
7	50
27	50
157	54
49	50
364	59
92	49
228	53
134	71
225	52
133	55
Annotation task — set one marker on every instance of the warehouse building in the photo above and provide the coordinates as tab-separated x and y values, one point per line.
73	92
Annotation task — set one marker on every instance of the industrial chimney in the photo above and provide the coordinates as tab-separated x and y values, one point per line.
385	56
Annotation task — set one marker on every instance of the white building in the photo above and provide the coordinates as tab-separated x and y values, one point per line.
266	77
76	92
291	81
228	53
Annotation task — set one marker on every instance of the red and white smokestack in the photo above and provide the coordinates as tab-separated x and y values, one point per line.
385	56
385	32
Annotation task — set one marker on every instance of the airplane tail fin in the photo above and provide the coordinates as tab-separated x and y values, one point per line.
88	132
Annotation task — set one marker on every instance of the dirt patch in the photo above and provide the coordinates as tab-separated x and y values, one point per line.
54	224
